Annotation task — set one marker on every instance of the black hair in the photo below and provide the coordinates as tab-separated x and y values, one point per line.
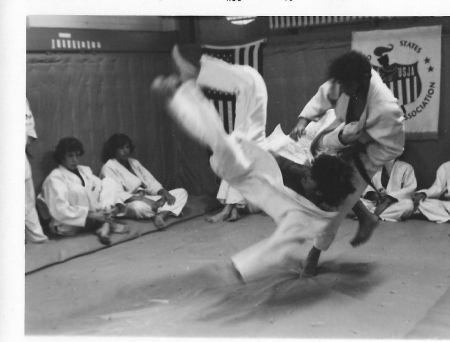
351	66
115	141
291	172
65	145
334	179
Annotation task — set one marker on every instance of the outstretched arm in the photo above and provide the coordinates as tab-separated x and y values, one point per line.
324	100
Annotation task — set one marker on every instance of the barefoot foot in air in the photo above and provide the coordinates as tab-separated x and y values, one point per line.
184	68
365	230
165	87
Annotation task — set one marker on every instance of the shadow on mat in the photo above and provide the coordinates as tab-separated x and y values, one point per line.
288	292
207	294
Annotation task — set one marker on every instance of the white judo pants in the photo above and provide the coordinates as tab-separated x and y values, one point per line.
255	173
141	210
435	210
326	237
104	198
33	229
397	211
251	107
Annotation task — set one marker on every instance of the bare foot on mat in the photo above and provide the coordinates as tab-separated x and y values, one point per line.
218	217
119	228
159	222
103	233
234	215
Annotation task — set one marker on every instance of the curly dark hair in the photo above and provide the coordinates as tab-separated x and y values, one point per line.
351	66
65	145
334	179
115	141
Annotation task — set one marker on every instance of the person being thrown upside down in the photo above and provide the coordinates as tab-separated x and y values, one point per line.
301	210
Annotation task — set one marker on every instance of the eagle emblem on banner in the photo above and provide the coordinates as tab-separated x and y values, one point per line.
403	79
409	63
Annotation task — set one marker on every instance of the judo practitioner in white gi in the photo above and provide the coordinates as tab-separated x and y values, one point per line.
434	202
75	200
299	215
369	127
396	183
144	195
33	228
250	123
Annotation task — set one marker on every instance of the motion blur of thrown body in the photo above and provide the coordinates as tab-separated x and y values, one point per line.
250	123
251	108
299	214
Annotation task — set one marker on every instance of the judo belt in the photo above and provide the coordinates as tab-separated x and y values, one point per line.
352	153
347	153
363	172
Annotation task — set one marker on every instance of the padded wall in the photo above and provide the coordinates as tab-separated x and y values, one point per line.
91	96
293	74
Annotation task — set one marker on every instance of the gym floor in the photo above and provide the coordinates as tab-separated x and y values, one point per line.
175	284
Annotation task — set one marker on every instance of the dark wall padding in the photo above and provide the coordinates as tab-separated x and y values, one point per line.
293	74
91	96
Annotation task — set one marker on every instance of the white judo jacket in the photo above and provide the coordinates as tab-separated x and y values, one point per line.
402	181
441	186
129	182
381	122
68	201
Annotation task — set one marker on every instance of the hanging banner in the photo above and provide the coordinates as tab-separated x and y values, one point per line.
409	62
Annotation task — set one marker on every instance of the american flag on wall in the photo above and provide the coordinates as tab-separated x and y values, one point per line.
247	54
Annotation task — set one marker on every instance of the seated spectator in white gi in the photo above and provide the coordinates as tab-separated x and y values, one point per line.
33	228
144	195
434	202
76	200
395	183
251	112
